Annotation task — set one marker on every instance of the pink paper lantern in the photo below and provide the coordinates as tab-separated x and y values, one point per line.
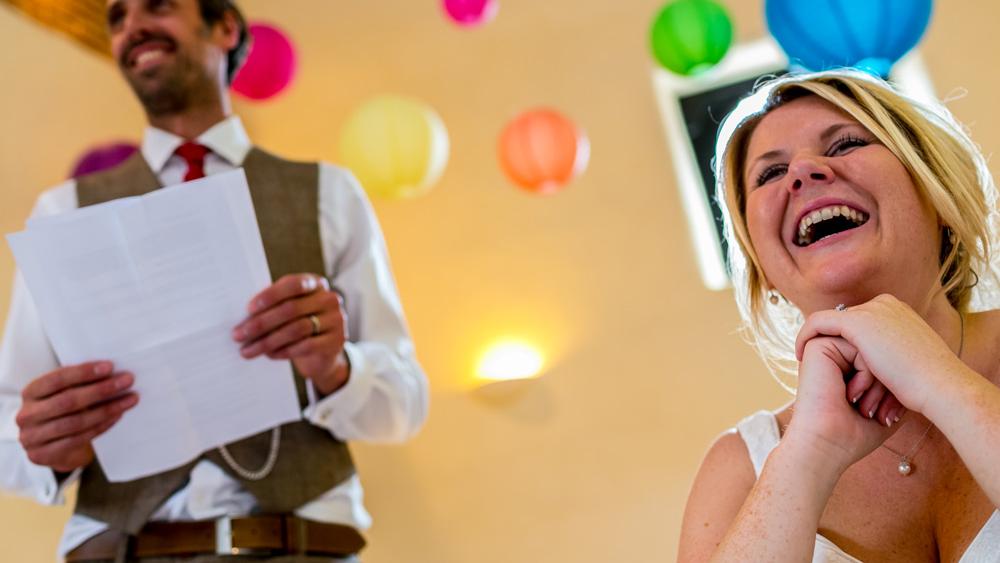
270	65
542	151
470	13
103	157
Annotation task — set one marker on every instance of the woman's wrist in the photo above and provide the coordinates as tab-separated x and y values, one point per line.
956	397
815	458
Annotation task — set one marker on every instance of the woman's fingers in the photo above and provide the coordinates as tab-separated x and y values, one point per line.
870	399
859	383
890	410
820	323
887	409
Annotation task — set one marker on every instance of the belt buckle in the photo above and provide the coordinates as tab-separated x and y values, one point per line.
224	540
224	537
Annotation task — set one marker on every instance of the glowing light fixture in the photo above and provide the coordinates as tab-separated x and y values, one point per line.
509	360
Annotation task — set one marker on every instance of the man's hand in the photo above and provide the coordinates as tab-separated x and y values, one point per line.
65	409
299	318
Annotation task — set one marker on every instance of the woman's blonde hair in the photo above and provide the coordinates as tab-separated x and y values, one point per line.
947	168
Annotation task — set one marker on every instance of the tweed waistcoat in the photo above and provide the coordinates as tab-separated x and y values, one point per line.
310	460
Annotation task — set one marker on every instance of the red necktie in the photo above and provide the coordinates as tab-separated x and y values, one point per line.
194	155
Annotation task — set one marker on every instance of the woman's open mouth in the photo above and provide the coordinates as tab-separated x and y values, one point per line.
825	221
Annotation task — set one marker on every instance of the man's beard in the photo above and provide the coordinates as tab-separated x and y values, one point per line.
172	87
181	84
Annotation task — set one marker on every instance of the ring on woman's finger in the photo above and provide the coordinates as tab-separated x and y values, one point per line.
841	307
315	323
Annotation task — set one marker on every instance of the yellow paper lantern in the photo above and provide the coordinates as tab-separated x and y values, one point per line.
396	146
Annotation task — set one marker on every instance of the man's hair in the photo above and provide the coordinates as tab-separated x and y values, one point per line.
947	168
212	12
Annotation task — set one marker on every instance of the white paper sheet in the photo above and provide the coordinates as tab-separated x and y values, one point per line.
156	284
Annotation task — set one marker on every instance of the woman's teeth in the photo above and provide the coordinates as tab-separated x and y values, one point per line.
807	225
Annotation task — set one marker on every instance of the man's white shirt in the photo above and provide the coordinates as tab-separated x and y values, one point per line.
385	399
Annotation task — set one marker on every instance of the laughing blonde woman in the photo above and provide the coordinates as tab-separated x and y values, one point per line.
860	226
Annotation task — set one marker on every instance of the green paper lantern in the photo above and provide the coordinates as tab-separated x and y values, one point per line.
690	36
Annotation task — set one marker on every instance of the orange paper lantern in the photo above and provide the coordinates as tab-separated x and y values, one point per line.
541	150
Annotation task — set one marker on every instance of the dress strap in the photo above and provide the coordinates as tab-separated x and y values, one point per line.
985	548
760	434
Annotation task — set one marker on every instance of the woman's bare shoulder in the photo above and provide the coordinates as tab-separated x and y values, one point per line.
728	455
722	484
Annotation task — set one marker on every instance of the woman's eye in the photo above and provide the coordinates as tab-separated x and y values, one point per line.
770	173
846	143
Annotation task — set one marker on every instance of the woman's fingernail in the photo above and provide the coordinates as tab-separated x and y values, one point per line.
855	399
888	421
871	413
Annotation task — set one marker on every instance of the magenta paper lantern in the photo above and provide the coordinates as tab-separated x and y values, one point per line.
471	13
102	157
270	65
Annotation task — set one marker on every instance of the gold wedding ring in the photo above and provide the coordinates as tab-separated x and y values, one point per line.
315	322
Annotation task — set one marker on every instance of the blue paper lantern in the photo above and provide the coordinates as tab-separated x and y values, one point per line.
867	34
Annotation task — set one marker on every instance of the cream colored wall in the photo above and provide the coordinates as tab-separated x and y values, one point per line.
591	463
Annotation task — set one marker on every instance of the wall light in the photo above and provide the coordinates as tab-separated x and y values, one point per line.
509	360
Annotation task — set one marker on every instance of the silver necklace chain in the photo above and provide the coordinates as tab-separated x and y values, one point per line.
905	467
913	451
265	470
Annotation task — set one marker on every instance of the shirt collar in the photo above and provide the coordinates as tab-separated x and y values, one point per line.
227	139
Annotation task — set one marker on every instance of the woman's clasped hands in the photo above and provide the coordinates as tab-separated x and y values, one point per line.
862	368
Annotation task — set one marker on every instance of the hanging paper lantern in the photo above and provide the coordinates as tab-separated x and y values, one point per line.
541	151
270	65
396	146
867	34
103	157
471	13
690	36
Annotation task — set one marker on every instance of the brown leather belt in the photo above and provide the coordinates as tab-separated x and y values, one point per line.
278	534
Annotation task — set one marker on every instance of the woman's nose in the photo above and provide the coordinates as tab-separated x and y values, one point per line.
809	170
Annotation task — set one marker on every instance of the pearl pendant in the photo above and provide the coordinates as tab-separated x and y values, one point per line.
904	467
